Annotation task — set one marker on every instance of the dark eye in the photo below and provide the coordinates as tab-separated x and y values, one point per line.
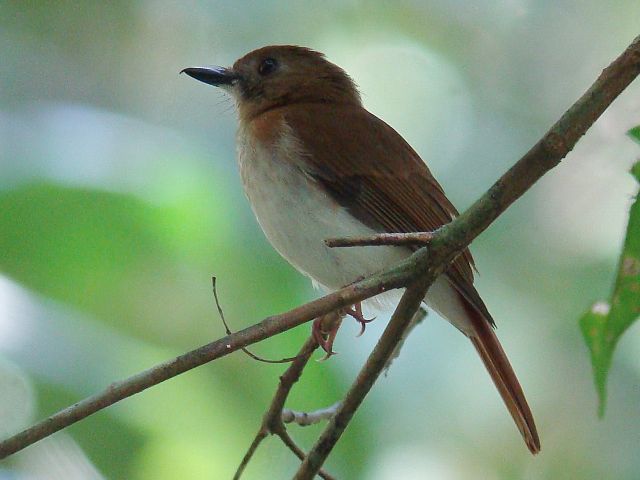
267	66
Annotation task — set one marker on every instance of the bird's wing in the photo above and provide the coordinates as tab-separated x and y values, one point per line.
398	194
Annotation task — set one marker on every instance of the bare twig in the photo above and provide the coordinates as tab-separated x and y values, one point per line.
253	448
272	416
305	419
286	439
272	421
446	243
229	332
393	239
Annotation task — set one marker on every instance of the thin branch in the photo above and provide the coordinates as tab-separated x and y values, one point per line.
288	441
304	419
375	364
260	436
393	239
272	420
228	331
546	153
272	416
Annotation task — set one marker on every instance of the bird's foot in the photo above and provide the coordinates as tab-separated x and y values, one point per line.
325	329
355	311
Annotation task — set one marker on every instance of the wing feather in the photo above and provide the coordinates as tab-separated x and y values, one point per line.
392	194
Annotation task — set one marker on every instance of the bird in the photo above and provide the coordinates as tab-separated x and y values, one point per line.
315	164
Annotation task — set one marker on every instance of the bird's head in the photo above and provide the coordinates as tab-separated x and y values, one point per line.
276	76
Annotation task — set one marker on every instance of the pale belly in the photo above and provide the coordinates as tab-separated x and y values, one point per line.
297	216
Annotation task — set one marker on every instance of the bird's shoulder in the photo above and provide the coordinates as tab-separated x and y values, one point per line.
365	161
357	141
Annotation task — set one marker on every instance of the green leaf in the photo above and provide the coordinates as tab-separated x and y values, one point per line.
635	134
140	267
603	325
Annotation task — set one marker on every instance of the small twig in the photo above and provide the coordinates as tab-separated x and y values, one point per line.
272	416
229	332
272	421
298	452
260	436
393	239
305	419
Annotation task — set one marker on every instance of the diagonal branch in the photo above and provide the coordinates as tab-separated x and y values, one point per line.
272	417
272	422
547	152
286	439
452	238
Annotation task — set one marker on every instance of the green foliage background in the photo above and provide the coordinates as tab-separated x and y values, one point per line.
603	325
120	198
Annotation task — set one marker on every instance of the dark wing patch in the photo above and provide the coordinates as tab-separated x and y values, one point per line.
398	195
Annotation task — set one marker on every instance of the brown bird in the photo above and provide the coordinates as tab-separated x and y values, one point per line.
315	165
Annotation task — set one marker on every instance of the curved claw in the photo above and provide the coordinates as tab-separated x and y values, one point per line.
316	332
324	338
356	313
363	327
325	328
327	356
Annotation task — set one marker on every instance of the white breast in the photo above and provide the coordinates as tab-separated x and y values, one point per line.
296	216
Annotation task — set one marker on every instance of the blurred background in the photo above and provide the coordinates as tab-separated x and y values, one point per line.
120	198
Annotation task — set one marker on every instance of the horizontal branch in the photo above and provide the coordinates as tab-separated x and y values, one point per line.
393	239
305	419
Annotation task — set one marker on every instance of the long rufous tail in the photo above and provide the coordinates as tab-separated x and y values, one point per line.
498	366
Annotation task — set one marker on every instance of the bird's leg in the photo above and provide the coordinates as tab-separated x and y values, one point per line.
355	311
325	329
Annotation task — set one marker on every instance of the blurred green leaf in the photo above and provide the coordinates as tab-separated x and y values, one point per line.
119	441
603	325
635	134
88	248
140	267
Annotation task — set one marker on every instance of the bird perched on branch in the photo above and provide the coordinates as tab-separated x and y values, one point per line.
315	165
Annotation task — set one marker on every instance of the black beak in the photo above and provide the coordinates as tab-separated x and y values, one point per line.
216	76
